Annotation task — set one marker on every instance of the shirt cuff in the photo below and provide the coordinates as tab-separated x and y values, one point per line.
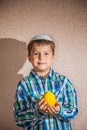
60	113
39	113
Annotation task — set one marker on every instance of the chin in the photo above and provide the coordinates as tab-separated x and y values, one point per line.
43	69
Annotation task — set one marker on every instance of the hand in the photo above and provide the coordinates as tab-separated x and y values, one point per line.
42	105
53	109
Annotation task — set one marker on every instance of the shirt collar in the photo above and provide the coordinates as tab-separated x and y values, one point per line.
34	76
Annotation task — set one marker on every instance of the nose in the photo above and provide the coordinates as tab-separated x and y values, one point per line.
41	56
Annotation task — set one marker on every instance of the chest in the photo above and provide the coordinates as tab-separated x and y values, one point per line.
41	86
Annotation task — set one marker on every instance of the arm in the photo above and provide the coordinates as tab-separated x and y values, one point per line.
68	109
25	110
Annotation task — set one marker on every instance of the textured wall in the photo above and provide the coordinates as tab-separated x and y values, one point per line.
66	21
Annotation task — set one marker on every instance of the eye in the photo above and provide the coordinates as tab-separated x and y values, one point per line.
35	53
46	53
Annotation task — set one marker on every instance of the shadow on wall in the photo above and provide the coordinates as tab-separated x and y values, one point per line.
12	57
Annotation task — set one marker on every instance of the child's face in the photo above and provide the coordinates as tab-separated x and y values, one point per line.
41	58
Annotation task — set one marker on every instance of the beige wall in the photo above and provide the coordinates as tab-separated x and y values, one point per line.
66	21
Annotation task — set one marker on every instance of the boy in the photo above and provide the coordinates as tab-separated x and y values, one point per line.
32	113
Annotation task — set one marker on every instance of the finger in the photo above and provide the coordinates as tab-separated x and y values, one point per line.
43	105
46	111
57	104
52	109
49	110
40	102
56	108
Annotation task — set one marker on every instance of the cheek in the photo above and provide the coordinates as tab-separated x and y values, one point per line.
30	59
34	59
50	61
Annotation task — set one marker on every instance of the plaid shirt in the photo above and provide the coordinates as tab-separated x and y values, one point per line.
26	112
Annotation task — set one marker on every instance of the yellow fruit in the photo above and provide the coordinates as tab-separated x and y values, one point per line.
50	98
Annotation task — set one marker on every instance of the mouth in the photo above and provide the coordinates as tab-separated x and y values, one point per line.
41	63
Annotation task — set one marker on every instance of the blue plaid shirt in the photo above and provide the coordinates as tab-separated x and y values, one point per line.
26	112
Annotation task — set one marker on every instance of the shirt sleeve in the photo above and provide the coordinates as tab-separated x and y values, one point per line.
68	109
25	109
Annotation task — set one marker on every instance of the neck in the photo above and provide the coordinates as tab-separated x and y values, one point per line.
43	73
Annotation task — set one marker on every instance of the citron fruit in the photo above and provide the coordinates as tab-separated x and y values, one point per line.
50	98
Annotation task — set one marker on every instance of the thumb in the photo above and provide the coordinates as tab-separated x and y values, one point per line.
57	104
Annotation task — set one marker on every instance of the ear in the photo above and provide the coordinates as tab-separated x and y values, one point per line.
29	58
53	58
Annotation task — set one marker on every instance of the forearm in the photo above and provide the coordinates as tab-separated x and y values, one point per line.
66	113
28	118
26	112
69	108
